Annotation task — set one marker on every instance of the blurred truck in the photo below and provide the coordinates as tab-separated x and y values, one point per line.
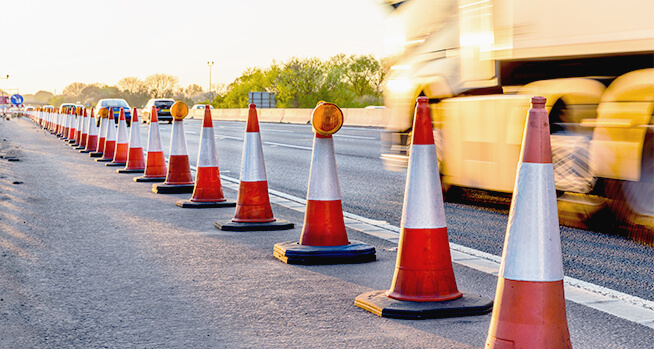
480	61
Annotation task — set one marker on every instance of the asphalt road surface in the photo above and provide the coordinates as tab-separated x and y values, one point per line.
90	259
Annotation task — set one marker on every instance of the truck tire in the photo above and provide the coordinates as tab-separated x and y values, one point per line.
632	203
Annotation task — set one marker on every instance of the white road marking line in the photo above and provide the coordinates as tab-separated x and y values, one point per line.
288	145
229	137
355	137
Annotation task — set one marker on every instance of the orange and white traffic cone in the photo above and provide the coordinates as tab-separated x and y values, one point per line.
529	300
423	284
155	161
84	131
179	178
92	136
324	238
208	191
102	133
72	126
253	210
58	130
65	119
110	140
77	136
122	142
135	158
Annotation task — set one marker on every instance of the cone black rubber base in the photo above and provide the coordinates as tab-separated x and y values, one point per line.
164	188
277	224
124	170
149	179
291	252
104	160
96	154
379	304
80	148
197	204
74	144
84	151
116	164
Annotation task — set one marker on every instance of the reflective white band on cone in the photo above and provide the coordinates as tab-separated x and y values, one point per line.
533	237
207	156
253	167
323	177
423	200
154	138
178	141
135	135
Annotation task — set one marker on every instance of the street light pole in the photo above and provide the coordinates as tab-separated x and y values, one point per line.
210	64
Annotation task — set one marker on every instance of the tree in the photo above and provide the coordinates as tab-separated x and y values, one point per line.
161	85
132	84
193	91
74	90
43	97
134	91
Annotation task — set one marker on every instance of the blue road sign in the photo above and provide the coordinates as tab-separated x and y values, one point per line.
17	99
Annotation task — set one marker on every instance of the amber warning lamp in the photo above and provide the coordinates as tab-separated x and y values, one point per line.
104	112
179	110
326	118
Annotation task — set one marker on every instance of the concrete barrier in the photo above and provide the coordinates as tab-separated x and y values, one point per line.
352	116
297	116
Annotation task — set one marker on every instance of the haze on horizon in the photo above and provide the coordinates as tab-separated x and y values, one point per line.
51	44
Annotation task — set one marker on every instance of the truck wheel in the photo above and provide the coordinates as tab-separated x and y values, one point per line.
557	117
632	203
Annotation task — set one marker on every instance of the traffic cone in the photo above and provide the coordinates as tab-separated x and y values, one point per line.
110	139
84	127
423	284
253	210
208	191
179	178
155	162
72	130
66	125
77	136
122	142
529	300
92	136
135	158
57	124
102	134
324	238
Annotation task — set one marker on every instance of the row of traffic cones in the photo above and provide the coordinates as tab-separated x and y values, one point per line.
529	307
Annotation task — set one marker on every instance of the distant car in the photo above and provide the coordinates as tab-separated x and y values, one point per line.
68	106
163	109
116	104
201	106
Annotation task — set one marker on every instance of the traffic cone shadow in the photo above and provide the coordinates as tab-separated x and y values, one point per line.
208	190
155	161
529	300
324	239
135	158
423	284
253	211
179	178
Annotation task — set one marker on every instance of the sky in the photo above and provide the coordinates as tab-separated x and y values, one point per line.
49	44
